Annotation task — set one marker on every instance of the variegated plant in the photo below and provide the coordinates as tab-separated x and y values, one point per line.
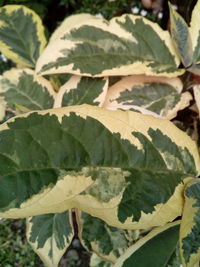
91	142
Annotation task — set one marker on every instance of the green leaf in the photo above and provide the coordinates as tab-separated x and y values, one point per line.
56	170
82	90
21	88
181	37
190	226
22	36
156	96
96	261
153	250
50	235
100	48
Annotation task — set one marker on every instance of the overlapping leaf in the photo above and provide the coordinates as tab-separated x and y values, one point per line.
153	250
190	226
82	90
21	89
181	37
56	170
148	95
108	242
125	45
22	36
50	235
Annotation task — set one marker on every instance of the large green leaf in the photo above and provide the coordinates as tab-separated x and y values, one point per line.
153	250
190	226
181	37
125	45
50	160
82	90
22	36
157	96
50	235
20	87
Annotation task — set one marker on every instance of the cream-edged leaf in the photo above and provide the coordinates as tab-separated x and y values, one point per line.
195	32
106	241
181	37
59	167
69	23
156	96
50	235
190	225
153	250
96	261
101	48
82	90
22	90
22	36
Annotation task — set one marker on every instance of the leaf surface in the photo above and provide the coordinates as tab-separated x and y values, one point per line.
50	235
181	37
195	32
20	87
153	250
156	96
101	48
82	90
190	226
59	167
22	36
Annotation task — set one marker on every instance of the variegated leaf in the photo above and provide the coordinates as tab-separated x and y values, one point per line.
195	32
190	226
96	261
181	37
22	36
100	48
50	235
153	250
106	241
56	170
22	90
69	23
156	96
82	90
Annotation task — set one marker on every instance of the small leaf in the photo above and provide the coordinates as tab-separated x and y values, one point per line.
156	96
22	90
82	90
50	235
181	37
190	226
153	250
22	36
195	33
106	241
